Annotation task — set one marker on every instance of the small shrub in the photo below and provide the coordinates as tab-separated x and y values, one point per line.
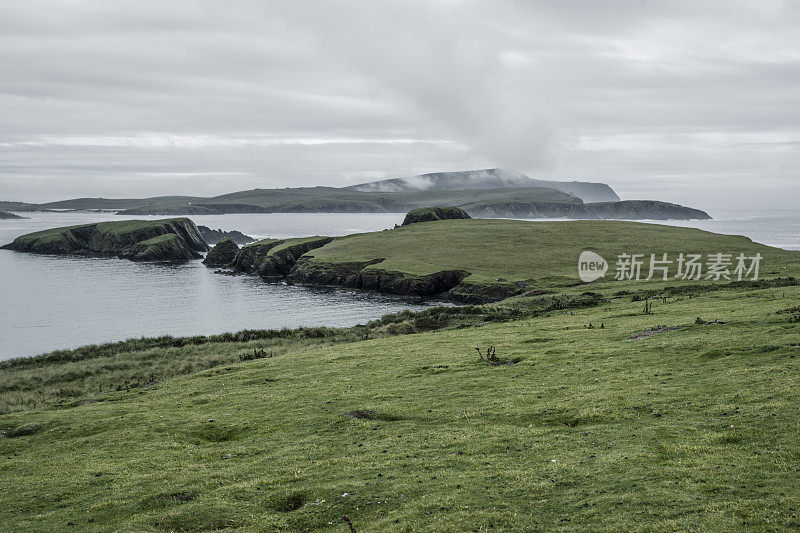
258	353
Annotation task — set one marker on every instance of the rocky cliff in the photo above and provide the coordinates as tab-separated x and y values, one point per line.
138	240
213	236
222	254
275	258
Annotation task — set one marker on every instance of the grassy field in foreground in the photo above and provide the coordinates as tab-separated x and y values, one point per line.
617	426
543	253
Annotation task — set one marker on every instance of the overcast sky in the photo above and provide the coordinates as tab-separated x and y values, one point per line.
696	102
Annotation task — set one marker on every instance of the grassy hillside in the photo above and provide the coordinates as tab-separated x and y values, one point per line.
542	253
115	228
686	419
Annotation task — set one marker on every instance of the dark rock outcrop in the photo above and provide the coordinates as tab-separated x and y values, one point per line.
213	236
167	247
286	259
274	258
222	254
138	240
356	275
430	214
289	260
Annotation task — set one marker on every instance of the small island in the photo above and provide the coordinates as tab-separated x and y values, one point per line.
174	239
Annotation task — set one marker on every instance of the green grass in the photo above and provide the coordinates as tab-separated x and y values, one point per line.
261	242
287	243
593	415
691	429
543	253
160	239
116	228
66	377
128	226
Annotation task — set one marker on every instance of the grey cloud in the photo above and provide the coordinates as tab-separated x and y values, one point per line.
479	83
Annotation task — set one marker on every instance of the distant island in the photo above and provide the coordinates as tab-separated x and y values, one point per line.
488	193
490	178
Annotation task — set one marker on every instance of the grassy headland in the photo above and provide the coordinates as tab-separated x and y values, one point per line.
480	260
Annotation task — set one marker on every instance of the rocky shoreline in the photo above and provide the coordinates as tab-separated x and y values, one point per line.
288	261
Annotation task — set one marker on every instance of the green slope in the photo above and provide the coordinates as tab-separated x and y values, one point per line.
543	253
592	429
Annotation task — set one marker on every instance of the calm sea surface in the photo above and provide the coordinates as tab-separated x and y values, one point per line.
49	303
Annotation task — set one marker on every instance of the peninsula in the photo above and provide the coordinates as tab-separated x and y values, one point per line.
477	260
